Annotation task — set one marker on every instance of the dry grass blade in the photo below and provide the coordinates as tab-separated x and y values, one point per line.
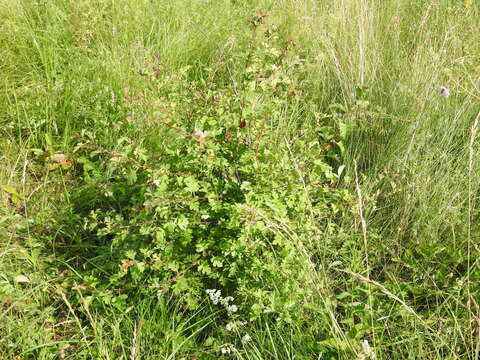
384	290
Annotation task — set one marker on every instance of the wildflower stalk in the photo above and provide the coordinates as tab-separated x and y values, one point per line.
473	135
365	244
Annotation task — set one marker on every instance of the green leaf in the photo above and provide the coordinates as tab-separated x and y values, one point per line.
217	262
130	254
363	104
204	268
192	184
131	176
336	343
343	295
338	107
209	341
344	130
9	189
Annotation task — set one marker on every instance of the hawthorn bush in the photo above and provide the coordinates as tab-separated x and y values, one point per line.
222	188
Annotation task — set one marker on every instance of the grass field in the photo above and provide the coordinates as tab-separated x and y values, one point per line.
295	155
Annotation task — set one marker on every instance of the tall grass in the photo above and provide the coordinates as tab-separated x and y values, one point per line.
67	67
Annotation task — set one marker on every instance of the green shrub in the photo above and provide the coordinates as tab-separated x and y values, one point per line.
228	199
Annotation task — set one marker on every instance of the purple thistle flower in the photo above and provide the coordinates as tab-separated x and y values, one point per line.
444	92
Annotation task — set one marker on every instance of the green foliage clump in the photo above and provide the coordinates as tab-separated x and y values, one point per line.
226	200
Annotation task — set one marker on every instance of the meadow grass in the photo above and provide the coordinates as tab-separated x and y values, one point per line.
405	269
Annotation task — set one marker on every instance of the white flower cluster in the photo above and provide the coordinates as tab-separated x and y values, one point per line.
226	300
227	349
367	352
216	297
232	309
234	325
246	338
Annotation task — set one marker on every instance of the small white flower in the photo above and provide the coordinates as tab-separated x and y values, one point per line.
201	135
227	349
226	300
58	158
215	295
234	325
246	338
232	309
367	350
444	92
